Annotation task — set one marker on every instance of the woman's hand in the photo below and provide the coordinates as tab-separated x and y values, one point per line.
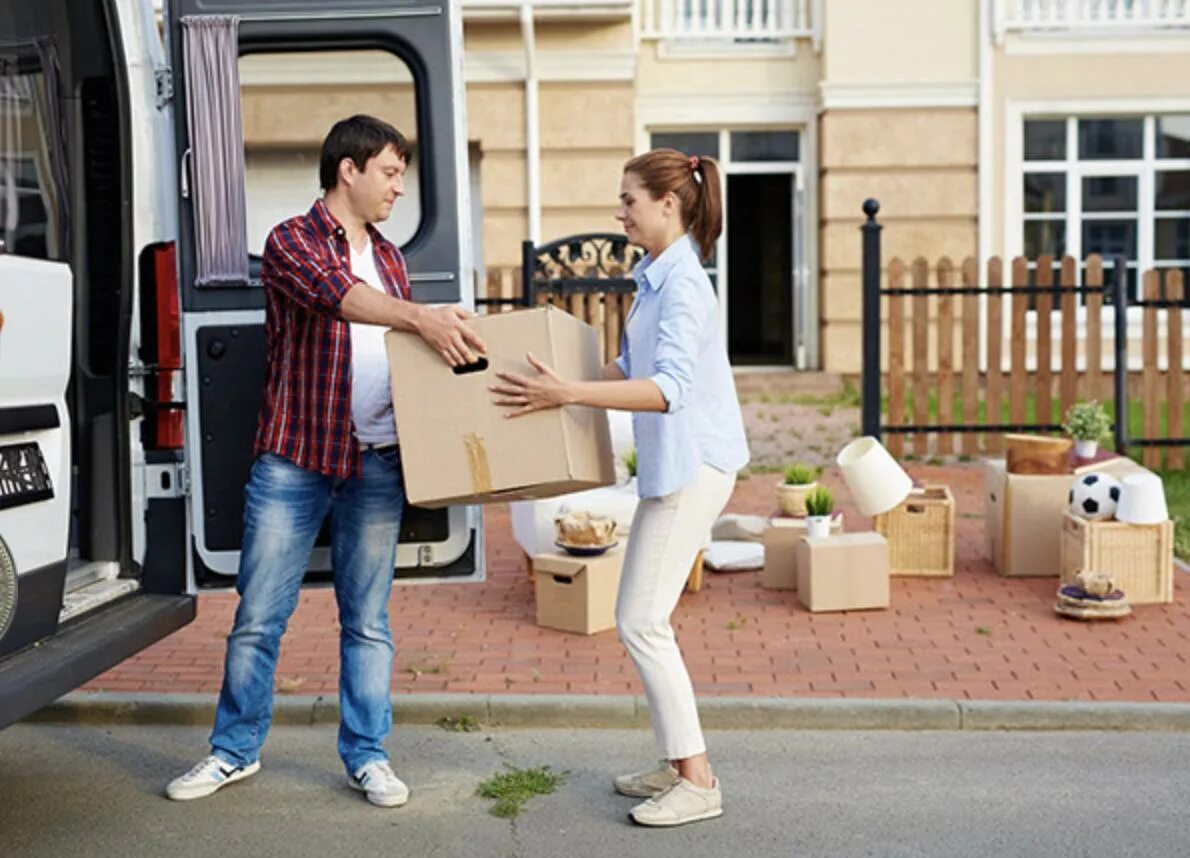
527	395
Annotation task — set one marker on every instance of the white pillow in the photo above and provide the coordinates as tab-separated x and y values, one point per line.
731	555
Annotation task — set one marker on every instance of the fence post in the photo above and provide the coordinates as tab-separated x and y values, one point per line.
870	381
1120	300
528	298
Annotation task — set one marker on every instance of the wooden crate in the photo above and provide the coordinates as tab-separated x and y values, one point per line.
1138	556
920	534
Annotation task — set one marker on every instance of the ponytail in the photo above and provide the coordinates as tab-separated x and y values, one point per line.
694	179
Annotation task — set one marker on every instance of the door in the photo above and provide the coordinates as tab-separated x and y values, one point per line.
223	324
760	229
35	355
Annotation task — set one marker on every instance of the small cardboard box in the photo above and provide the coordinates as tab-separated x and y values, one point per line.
459	447
781	536
843	573
1023	518
1138	556
577	594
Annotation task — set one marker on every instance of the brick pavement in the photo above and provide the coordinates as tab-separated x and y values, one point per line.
976	636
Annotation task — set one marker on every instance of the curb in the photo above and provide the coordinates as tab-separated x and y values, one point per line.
627	712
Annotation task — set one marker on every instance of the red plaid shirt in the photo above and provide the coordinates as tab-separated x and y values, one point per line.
306	415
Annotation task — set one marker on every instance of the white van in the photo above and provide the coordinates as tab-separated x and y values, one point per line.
131	371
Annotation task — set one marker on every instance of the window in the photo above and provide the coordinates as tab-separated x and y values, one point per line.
33	189
689	142
284	129
764	146
1116	186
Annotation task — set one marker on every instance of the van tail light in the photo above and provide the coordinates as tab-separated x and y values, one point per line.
161	350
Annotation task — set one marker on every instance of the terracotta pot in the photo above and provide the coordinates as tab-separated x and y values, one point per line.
792	499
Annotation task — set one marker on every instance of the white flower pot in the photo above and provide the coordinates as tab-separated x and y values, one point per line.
1086	449
873	476
818	526
1142	499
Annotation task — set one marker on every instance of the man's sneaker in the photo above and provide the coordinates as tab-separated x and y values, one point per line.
208	776
380	784
681	803
648	783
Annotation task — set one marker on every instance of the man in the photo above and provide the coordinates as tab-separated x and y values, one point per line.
326	444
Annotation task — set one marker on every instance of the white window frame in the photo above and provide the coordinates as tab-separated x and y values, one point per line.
1145	167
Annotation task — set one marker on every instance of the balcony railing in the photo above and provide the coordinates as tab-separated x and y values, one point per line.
729	20
1105	17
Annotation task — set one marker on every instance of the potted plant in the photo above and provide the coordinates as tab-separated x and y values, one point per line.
1087	423
629	460
820	503
800	480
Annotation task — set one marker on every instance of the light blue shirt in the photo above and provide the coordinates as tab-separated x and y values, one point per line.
673	337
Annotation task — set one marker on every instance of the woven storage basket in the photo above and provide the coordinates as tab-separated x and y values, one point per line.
920	534
1138	556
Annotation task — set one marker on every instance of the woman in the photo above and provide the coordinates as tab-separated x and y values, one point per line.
673	374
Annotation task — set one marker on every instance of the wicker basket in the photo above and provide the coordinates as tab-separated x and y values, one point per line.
920	534
1138	556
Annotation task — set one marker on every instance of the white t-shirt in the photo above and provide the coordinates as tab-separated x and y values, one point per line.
371	389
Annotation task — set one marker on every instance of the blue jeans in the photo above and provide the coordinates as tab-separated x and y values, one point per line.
284	508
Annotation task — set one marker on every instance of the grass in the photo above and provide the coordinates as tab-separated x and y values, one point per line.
513	789
1177	497
847	397
458	724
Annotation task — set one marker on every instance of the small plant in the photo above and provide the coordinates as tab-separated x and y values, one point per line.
820	502
1087	421
459	724
513	788
629	460
800	475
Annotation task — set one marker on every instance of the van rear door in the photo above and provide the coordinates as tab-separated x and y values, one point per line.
223	329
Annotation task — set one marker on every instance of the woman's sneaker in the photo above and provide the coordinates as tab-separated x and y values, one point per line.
648	783
380	784
681	803
209	776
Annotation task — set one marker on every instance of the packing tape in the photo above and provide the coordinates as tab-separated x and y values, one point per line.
477	463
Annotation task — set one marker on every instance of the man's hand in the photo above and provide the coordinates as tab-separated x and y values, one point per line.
446	331
527	395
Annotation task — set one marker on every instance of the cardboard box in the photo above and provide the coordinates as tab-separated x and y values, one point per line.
1138	556
781	537
1023	518
577	594
458	447
843	573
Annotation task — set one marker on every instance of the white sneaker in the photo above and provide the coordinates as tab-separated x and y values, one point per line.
380	784
681	803
648	783
210	775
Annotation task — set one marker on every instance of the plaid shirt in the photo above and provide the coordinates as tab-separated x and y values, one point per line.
306	414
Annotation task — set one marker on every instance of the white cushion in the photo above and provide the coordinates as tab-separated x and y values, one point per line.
730	555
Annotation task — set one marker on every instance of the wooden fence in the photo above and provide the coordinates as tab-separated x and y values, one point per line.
972	355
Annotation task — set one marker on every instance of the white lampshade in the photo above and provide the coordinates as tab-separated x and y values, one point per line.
875	480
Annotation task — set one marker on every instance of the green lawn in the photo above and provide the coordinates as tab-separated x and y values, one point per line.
1177	483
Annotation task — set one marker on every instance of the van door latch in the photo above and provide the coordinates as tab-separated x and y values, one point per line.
163	77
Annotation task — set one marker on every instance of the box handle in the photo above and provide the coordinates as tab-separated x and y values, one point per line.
563	579
480	365
915	508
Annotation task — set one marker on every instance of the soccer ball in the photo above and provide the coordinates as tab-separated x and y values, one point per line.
1095	496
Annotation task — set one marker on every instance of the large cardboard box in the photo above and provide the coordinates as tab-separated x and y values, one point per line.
577	594
781	536
843	573
458	447
1023	517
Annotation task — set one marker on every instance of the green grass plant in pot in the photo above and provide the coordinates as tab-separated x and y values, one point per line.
800	480
820	503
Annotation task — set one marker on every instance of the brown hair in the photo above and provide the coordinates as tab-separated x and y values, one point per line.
694	179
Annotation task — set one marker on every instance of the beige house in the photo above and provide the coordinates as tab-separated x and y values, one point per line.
984	127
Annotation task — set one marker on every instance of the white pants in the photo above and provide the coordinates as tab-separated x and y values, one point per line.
667	534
